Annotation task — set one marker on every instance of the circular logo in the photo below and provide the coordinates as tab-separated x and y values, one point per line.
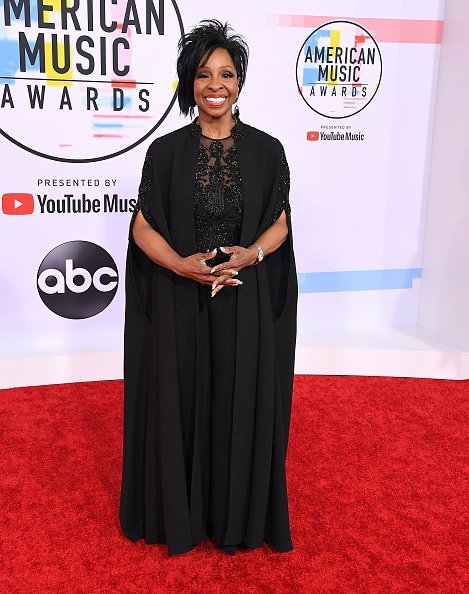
77	280
338	69
86	81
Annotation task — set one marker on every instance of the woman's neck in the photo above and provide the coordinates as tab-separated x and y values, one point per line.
216	128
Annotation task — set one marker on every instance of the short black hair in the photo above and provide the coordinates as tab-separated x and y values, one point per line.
193	46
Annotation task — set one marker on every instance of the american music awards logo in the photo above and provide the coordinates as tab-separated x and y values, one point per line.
338	69
86	81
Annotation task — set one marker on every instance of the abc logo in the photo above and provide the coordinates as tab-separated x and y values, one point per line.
77	280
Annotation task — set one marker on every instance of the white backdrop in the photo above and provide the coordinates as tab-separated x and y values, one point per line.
358	206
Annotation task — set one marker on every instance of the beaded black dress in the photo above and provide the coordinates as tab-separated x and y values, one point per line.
212	457
218	213
218	197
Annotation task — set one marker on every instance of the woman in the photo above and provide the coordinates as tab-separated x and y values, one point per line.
210	323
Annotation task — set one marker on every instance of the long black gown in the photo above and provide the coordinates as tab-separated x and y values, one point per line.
206	410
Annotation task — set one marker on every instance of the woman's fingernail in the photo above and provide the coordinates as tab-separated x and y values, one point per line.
238	282
212	271
213	293
235	273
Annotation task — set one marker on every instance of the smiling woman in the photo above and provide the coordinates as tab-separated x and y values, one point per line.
196	48
210	325
216	85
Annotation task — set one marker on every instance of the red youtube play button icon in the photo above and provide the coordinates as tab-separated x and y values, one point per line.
17	204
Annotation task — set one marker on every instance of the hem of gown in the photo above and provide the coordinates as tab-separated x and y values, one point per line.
228	549
231	549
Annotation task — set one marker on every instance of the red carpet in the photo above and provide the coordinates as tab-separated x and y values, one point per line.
377	471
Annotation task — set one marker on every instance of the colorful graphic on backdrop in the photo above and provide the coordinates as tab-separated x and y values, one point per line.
86	81
338	69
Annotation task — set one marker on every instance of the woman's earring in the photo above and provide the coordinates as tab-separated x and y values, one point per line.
236	110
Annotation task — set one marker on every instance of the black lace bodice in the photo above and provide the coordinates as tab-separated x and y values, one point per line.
218	193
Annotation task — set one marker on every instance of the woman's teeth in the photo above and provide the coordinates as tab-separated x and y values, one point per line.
216	100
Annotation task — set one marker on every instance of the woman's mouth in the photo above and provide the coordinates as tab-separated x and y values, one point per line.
215	101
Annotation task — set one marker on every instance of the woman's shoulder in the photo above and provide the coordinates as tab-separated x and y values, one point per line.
171	138
262	138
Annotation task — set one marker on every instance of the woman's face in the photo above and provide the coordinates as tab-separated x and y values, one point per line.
216	85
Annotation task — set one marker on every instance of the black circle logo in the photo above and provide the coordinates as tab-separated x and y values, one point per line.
338	69
77	280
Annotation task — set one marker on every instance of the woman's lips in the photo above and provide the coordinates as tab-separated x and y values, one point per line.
215	101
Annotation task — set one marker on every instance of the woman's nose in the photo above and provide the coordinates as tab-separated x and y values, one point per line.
215	84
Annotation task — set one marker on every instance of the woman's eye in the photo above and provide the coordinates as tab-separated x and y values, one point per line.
224	75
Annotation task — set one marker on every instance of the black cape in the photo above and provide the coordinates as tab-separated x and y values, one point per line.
161	500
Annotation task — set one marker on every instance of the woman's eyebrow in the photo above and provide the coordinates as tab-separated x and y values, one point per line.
220	68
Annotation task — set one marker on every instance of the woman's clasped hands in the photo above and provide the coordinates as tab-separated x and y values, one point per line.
239	258
221	275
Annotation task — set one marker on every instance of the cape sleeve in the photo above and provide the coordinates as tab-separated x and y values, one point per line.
283	191
144	190
280	264
138	266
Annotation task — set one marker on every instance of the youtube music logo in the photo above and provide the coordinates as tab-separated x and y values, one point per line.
17	204
312	135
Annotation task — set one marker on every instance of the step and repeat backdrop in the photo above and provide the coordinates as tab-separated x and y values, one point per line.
86	86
